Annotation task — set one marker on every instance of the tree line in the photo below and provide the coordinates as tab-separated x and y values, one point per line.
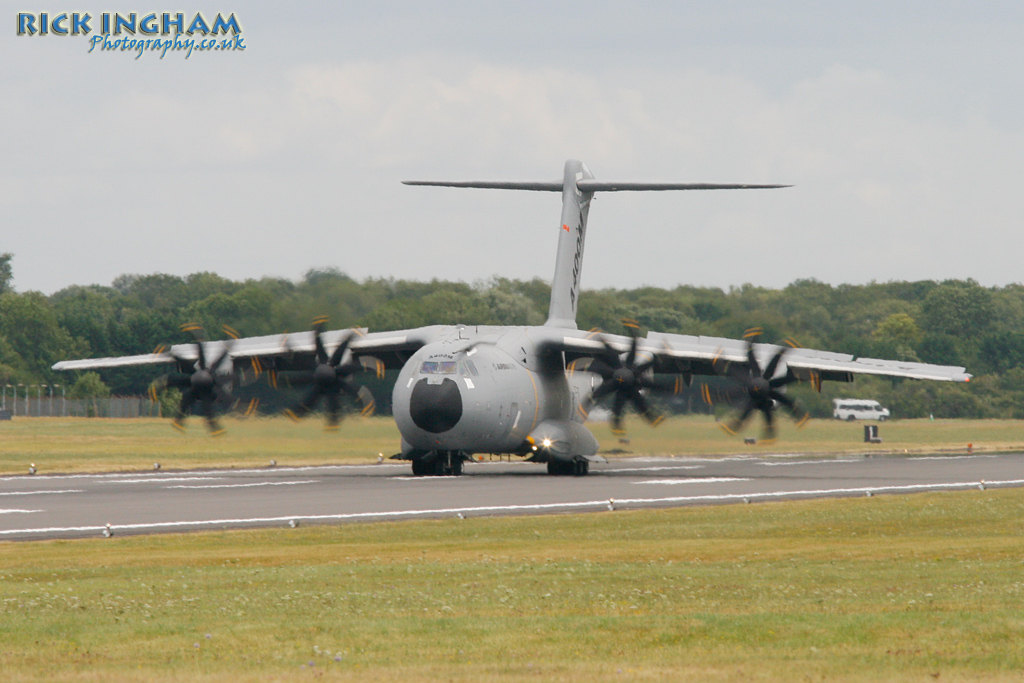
953	322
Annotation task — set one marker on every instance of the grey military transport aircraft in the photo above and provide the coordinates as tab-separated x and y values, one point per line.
465	389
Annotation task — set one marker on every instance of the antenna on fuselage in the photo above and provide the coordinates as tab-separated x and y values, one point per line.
577	187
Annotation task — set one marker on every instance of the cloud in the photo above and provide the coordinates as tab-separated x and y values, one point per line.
298	165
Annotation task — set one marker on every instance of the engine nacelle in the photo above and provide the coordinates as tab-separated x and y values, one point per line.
561	440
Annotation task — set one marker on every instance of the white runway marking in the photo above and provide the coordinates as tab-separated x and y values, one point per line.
244	486
953	457
7	512
542	507
160	480
699	480
648	469
39	493
435	478
804	462
160	476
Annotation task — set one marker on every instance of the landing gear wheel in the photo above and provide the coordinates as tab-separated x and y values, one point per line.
580	468
420	467
559	468
440	466
456	464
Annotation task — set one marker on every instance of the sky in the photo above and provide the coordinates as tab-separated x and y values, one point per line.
900	126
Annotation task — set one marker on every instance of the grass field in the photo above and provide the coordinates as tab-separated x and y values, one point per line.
918	587
923	587
81	445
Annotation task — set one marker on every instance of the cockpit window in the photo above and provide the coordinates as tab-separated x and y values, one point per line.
432	367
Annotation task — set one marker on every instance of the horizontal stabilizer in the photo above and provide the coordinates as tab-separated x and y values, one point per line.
587	185
605	186
538	186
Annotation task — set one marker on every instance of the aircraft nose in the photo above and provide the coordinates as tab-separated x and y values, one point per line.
435	408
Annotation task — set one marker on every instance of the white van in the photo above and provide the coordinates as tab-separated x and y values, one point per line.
858	409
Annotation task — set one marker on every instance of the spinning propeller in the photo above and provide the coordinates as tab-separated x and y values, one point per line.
759	388
199	381
623	379
332	377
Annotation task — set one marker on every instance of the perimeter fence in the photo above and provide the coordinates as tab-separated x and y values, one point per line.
58	406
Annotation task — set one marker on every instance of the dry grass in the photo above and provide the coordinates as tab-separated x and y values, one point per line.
91	445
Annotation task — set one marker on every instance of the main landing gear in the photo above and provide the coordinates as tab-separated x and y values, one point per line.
576	468
439	464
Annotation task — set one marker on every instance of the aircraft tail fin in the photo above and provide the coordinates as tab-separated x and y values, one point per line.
577	187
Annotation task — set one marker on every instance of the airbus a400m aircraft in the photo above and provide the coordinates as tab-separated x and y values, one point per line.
464	389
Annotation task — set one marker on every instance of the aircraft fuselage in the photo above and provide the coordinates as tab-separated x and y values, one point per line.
481	389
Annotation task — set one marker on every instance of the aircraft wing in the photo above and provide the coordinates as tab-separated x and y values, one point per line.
391	348
828	365
693	355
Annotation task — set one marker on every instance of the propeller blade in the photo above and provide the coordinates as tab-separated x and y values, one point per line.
372	364
631	355
599	367
368	401
773	364
642	368
755	369
333	410
788	378
340	351
795	410
644	408
321	352
768	434
211	417
202	355
610	356
297	377
618	407
736	424
603	390
179	382
187	399
306	404
221	358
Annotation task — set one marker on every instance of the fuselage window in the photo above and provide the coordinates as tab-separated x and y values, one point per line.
432	367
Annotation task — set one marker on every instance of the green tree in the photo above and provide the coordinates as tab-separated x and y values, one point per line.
30	326
6	273
963	309
89	385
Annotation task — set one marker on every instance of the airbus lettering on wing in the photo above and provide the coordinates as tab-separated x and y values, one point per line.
153	32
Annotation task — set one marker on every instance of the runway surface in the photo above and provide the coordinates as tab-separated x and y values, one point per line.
70	506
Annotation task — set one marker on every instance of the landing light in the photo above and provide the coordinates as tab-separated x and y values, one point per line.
546	443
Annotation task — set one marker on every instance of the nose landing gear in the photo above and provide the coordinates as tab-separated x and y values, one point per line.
439	464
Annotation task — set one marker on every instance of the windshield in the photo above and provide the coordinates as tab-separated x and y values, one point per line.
433	367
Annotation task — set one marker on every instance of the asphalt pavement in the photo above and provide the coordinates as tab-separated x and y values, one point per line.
70	506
